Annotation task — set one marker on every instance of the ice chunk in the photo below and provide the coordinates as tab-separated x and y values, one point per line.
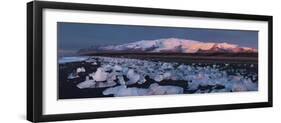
111	77
167	75
86	84
94	63
117	68
107	67
120	91
238	77
80	69
112	90
72	75
105	84
100	75
158	78
125	70
239	86
92	75
156	89
252	65
94	84
142	80
132	76
121	80
193	85
167	66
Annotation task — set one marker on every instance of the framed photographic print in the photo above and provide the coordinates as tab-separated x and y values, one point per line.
95	61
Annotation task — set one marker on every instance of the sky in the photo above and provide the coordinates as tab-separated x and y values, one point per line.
75	36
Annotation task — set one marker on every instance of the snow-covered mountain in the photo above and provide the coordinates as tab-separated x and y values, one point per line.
173	45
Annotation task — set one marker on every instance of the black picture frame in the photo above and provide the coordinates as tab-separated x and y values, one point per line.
35	69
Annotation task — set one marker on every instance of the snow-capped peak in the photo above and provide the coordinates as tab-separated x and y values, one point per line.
175	45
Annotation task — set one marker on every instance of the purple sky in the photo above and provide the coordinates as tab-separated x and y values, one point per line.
75	36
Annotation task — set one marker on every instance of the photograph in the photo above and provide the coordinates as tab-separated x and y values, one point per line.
90	61
110	60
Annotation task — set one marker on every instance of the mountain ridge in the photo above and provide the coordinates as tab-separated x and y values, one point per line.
171	45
